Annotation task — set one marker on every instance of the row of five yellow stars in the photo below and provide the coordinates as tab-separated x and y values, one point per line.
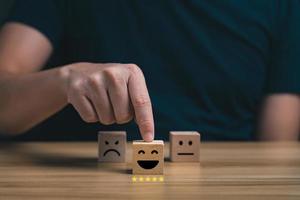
147	179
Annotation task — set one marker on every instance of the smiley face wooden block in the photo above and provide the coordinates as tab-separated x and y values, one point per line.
112	146
184	146
148	157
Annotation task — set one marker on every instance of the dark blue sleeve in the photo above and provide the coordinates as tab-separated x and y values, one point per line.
284	70
43	15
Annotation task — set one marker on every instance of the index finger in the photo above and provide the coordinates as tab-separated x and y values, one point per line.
141	102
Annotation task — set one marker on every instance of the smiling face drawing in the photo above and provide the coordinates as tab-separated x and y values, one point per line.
184	146
112	146
148	164
148	157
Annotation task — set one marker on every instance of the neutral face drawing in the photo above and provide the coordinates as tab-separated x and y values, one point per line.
184	146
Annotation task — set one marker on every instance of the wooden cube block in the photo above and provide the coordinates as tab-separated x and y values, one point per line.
184	146
148	157
112	146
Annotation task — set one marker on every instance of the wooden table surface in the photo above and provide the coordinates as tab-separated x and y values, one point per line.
226	171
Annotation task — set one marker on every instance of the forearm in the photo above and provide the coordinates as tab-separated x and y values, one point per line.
28	99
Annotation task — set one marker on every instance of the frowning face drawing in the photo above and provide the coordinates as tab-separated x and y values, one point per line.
112	146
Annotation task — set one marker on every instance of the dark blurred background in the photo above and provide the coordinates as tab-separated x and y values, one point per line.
88	131
5	6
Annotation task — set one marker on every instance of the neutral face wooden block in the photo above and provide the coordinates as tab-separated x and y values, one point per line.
112	146
148	157
184	146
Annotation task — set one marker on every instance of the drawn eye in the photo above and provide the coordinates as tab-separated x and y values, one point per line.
141	151
106	142
117	142
154	151
190	142
180	142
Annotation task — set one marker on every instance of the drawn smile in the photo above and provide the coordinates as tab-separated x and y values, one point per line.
185	154
147	164
111	150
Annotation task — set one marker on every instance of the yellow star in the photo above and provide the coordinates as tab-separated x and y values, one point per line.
134	179
161	179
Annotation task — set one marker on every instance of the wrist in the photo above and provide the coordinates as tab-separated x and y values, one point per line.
63	79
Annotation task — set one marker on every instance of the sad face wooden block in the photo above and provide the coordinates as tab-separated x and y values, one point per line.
148	157
112	146
184	146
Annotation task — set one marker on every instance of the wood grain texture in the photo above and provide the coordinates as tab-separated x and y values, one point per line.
226	171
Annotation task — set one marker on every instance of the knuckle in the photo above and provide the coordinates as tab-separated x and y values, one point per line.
107	121
122	119
89	118
114	76
141	101
76	85
93	80
133	69
109	72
